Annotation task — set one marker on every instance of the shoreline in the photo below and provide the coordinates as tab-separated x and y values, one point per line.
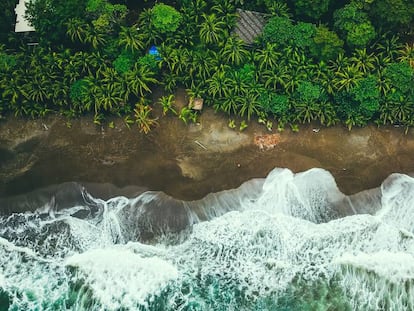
190	161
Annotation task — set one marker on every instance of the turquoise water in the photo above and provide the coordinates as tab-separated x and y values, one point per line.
289	242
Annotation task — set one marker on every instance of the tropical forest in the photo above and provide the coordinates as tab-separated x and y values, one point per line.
324	61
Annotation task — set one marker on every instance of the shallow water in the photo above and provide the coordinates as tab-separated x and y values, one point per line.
287	242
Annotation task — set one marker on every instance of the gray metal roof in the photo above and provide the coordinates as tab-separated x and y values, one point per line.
249	25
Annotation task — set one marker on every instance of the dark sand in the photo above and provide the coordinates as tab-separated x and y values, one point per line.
191	161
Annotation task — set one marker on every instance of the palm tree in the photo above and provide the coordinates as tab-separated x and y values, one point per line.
84	61
277	77
406	54
386	114
384	84
166	103
112	79
202	64
76	29
217	62
327	114
143	119
234	52
237	82
131	39
109	98
267	57
219	85
212	30
94	37
139	80
11	88
340	63
295	77
306	112
249	105
229	104
277	8
194	9
170	81
347	78
388	46
227	12
181	61
364	61
37	89
145	27
97	62
71	72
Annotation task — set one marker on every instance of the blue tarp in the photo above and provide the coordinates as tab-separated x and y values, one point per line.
153	50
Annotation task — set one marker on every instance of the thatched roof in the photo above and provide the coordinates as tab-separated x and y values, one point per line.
249	25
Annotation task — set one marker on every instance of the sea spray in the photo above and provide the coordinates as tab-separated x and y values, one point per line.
117	277
378	281
286	245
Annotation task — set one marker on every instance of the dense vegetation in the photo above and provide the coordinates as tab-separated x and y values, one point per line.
317	60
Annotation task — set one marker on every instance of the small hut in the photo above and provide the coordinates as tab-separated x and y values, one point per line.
196	103
249	25
22	24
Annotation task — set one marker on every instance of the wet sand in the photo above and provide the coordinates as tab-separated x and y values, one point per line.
190	161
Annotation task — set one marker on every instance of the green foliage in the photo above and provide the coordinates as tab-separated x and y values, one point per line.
234	52
49	17
247	73
212	30
7	19
277	8
105	15
282	31
359	104
393	14
401	76
143	119
367	95
274	103
297	72
361	35
303	34
347	17
326	44
95	6
353	24
278	30
7	61
150	61
79	91
165	18
308	92
124	62
311	8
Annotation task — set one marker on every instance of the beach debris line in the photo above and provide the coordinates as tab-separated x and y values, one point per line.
267	141
200	144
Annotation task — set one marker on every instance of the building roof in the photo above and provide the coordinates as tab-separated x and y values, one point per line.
22	24
249	25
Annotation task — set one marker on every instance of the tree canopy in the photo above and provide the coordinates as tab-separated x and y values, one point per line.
316	61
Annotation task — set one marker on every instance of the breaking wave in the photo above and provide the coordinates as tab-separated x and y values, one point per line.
288	242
